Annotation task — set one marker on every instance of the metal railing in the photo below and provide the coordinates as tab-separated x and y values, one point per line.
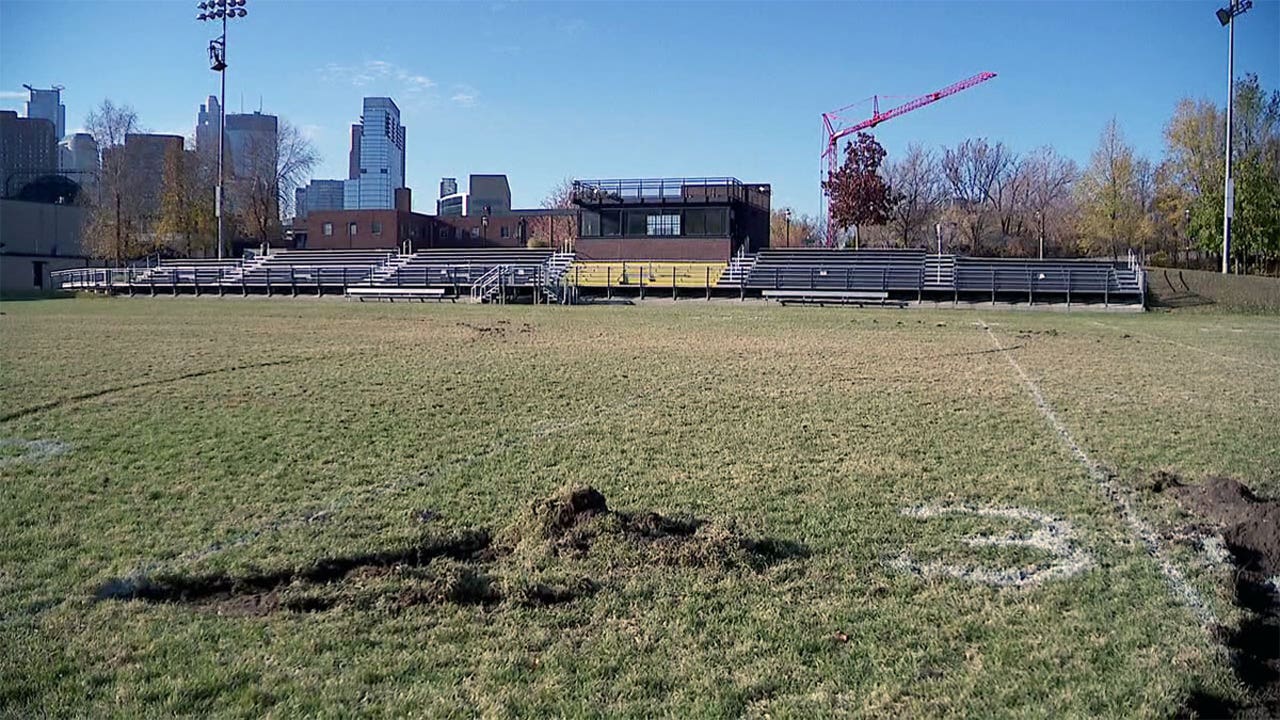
635	190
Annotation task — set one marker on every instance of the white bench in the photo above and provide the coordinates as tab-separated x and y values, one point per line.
394	293
822	297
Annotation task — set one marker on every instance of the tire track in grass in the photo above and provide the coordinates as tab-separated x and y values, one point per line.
1187	346
1174	579
154	382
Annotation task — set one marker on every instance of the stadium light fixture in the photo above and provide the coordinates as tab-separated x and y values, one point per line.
1227	16
222	10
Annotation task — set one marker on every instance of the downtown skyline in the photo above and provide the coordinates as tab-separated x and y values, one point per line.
547	91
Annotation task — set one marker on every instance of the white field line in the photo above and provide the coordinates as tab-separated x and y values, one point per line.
1052	535
1173	576
1187	346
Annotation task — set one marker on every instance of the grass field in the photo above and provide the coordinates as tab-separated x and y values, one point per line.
322	508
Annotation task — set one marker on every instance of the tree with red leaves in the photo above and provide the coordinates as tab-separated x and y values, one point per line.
857	193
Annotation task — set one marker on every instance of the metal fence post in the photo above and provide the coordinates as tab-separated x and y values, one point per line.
673	282
993	286
708	269
1068	288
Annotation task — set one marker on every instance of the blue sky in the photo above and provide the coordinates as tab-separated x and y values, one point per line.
543	91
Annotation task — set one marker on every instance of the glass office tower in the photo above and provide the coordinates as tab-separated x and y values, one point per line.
377	157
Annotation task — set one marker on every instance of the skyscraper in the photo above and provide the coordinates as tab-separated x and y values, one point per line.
251	139
208	121
78	160
251	145
28	150
377	157
318	195
47	104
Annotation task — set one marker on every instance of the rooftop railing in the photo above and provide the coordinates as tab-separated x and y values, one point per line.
659	190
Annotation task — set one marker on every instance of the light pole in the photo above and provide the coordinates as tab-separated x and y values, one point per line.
220	10
1227	16
787	214
1040	228
1186	240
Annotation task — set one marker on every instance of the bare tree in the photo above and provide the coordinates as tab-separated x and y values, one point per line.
113	227
1008	203
795	231
555	231
1049	178
971	170
266	177
916	187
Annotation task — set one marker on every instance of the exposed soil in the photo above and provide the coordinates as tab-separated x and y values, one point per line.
1250	527
259	594
576	519
464	568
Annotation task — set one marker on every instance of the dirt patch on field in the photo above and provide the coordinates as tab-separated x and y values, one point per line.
263	593
1250	528
578	520
498	329
471	567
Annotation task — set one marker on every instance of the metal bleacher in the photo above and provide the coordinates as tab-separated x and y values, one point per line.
866	274
313	268
862	270
499	274
459	268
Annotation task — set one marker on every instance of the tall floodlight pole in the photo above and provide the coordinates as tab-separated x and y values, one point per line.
1227	16
220	10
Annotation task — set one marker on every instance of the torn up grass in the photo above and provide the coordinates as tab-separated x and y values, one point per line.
777	449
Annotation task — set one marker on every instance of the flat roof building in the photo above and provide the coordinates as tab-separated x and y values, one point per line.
706	219
28	150
47	104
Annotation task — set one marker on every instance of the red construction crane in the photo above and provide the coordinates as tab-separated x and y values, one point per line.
831	120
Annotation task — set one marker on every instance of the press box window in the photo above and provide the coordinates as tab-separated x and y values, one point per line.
611	223
665	225
351	229
375	227
328	229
